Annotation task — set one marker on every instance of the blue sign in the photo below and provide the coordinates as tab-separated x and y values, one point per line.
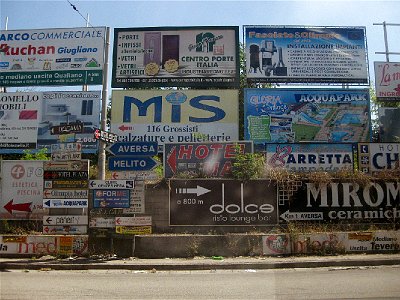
133	148
131	163
111	198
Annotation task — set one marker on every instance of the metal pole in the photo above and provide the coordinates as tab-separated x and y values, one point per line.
102	145
386	41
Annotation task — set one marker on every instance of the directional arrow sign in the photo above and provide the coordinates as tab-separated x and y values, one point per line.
65	203
134	148
65	220
128	163
199	190
302	216
18	206
111	184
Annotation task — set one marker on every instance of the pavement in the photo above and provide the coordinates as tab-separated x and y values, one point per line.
198	263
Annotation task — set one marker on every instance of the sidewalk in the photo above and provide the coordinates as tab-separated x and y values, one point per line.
199	263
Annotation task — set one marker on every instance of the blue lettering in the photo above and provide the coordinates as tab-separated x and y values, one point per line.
142	107
196	103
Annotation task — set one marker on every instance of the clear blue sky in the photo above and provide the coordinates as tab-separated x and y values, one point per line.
115	14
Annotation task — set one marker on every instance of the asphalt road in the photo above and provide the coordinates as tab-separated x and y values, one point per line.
320	283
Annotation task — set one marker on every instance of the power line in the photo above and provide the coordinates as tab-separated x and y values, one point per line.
74	8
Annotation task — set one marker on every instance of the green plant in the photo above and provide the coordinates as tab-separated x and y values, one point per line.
41	154
247	166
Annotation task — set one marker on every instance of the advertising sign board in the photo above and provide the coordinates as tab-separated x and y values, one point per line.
133	229
59	56
176	56
21	195
310	157
65	220
100	222
210	159
133	221
343	201
20	114
111	184
67	229
65	203
77	165
377	157
306	54
293	115
222	203
183	116
387	81
111	198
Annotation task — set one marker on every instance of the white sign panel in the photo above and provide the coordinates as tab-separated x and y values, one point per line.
387	80
65	203
22	189
65	220
133	221
69	229
377	157
111	184
43	57
102	222
20	114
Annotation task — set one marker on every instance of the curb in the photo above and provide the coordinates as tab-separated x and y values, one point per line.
221	265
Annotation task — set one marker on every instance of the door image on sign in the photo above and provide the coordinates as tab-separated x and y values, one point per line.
170	48
152	44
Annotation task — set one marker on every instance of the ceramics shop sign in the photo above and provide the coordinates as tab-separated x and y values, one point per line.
387	81
378	157
43	57
293	115
185	116
310	157
178	56
222	203
306	54
343	201
20	114
210	159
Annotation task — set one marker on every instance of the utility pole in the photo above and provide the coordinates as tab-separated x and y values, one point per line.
387	52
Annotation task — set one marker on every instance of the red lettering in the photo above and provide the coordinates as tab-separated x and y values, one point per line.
183	151
201	152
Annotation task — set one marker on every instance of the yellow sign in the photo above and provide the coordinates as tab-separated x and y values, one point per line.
133	229
66	245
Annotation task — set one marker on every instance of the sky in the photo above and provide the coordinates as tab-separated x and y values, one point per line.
18	14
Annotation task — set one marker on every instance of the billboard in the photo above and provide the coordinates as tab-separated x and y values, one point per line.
222	202
209	159
21	190
310	157
175	116
306	54
52	117
343	201
293	115
378	157
389	124
20	114
48	57
387	81
176	56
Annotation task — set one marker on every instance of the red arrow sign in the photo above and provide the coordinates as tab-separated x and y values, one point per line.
118	221
19	206
123	127
171	159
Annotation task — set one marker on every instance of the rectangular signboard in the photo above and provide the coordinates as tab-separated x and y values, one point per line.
77	165
310	157
67	128
100	222
306	54
58	56
131	163
133	148
208	159
176	56
387	81
379	157
66	147
63	175
133	221
67	184
307	115
67	229
65	194
133	229
62	156
111	184
65	220
343	201
222	202
137	205
183	116
111	198
20	114
21	196
389	124
65	203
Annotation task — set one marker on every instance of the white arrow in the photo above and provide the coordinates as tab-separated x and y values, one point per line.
199	190
302	216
